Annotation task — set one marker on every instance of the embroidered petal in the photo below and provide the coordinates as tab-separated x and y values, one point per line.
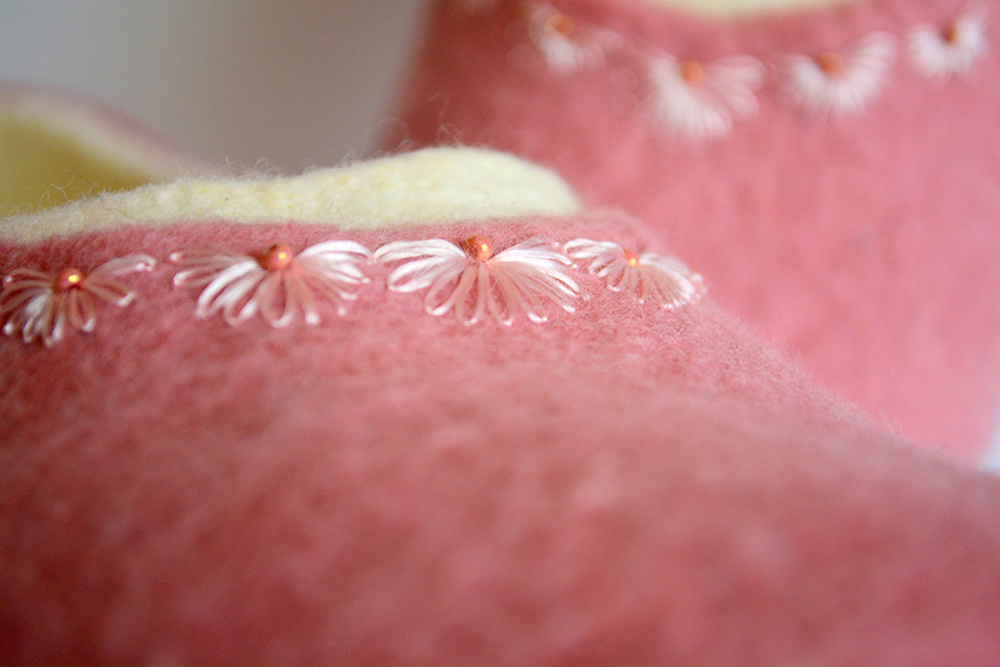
331	269
700	101
100	284
278	284
666	280
840	83
231	292
277	305
80	311
424	263
473	281
953	50
41	306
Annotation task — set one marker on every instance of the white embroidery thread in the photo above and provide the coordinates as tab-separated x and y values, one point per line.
468	279
665	279
45	306
566	46
519	279
953	50
279	284
698	101
841	83
701	101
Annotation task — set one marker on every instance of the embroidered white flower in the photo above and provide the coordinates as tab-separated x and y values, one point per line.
953	50
840	83
472	280
44	306
701	101
666	280
565	45
279	284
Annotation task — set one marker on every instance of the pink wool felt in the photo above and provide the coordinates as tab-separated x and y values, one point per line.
865	242
623	484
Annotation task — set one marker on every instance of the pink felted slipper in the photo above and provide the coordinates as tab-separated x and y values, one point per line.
834	171
428	410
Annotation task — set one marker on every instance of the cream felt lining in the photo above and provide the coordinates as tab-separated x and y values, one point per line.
57	147
735	8
45	166
429	185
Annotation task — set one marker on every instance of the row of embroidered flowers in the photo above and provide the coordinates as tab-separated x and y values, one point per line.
468	279
699	100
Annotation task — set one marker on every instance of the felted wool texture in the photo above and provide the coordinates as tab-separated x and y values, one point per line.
619	485
864	243
433	184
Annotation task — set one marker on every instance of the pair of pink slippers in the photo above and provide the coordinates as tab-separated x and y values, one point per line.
439	408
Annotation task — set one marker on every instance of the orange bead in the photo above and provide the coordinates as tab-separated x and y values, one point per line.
67	279
277	257
831	63
631	258
950	34
479	247
693	73
561	24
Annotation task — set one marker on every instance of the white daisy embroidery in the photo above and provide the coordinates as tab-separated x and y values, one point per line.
840	83
952	50
44	306
278	284
567	46
701	101
472	280
666	280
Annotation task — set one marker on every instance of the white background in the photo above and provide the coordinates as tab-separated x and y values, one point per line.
296	84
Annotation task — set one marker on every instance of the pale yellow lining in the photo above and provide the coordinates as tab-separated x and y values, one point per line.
743	8
55	149
430	185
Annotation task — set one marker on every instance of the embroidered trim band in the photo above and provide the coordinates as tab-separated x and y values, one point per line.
701	100
470	279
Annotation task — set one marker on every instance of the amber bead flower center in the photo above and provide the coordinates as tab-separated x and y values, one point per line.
561	24
831	63
950	34
479	248
277	257
693	73
67	279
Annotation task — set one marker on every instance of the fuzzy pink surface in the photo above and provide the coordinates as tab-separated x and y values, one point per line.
865	243
620	485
